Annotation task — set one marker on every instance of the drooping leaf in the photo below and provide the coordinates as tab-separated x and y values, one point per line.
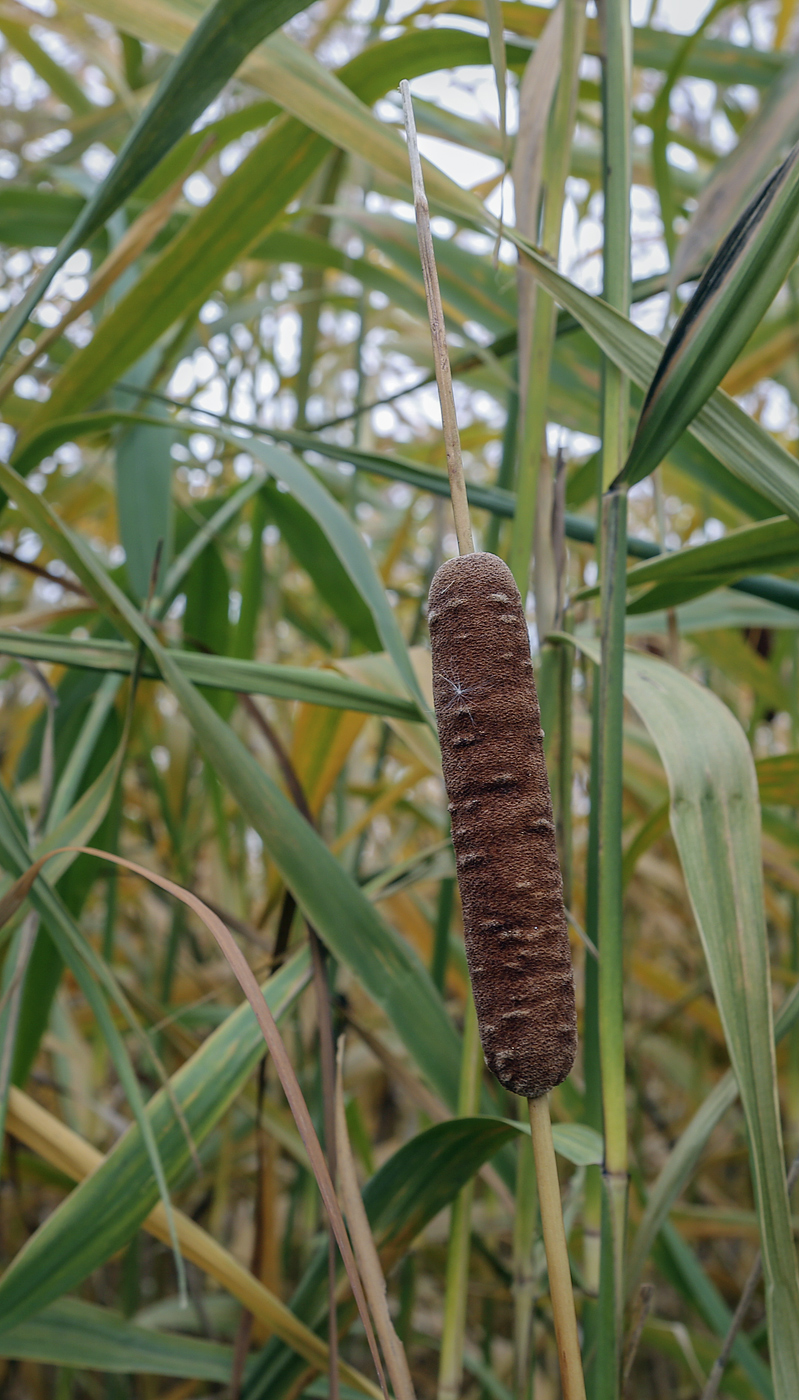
715	821
732	296
320	687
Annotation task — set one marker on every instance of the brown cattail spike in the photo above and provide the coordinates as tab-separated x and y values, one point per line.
489	726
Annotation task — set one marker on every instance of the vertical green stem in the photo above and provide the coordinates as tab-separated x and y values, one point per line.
592	1214
611	959
616	52
446	899
457	1281
507	468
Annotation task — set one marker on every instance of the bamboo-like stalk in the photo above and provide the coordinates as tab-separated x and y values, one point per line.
450	1371
611	959
560	1284
616	50
549	1189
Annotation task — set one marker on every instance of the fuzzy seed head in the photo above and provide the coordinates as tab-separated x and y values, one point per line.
489	725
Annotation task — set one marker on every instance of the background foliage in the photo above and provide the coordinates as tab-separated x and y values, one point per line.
226	496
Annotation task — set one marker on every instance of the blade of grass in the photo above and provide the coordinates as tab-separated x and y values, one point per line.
317	687
732	296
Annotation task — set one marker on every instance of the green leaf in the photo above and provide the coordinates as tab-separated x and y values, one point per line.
317	687
77	1334
224	36
696	569
207	587
144	500
733	295
105	1209
309	545
715	821
684	1270
33	218
348	546
740	443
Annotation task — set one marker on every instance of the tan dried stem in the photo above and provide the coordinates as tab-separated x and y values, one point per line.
366	1250
438	335
560	1283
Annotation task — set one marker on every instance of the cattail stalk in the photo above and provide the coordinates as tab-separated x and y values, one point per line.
502	823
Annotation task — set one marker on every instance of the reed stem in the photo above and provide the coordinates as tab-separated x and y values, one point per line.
560	1284
616	53
525	1222
611	948
438	335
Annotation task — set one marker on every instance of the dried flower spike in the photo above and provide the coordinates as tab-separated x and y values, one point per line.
489	726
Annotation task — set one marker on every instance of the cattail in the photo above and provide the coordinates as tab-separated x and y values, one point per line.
489	725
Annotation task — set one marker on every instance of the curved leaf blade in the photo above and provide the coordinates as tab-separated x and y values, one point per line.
715	821
733	295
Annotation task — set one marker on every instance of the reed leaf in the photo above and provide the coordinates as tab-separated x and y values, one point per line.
715	821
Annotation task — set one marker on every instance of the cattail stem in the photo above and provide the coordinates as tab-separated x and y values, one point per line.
560	1284
525	1229
438	335
519	805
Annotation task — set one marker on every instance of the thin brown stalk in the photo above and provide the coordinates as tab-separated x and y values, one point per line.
71	585
645	1295
560	1284
366	1249
438	335
325	1020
